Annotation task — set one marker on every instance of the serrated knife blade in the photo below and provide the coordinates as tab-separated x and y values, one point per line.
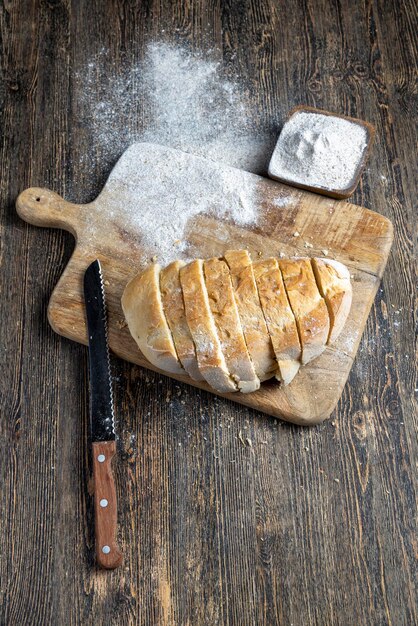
102	419
101	395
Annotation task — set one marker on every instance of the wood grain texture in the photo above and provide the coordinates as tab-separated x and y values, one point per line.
225	517
108	554
359	238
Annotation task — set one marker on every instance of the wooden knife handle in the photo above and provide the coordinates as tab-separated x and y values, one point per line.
108	554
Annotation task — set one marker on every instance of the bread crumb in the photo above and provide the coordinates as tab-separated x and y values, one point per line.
282	255
336	480
296	234
245	442
154	258
325	252
308	245
106	282
121	324
240	437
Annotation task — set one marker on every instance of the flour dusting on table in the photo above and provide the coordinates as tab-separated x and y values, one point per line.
175	97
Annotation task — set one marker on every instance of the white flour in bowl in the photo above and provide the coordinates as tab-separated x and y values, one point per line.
319	150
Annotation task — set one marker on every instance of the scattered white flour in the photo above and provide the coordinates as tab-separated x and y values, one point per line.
282	201
195	108
184	100
319	151
174	97
155	191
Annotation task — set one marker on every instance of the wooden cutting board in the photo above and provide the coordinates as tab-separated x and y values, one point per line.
358	237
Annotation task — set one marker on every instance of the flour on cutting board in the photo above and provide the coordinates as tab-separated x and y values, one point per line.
180	99
154	191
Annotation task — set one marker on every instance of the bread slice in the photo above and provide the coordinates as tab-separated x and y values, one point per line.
173	305
209	354
225	315
308	306
143	309
250	313
334	283
279	318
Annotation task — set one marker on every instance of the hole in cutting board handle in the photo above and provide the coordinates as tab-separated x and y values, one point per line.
44	207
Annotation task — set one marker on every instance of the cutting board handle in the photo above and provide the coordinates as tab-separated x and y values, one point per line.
43	207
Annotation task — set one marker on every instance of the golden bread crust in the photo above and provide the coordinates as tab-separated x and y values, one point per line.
334	283
143	309
251	315
209	354
309	308
173	304
279	317
228	325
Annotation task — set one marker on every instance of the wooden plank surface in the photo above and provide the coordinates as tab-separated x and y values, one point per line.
225	517
359	238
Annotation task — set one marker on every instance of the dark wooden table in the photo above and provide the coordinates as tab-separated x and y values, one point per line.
306	526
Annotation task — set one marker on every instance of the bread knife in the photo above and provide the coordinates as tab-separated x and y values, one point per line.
102	420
